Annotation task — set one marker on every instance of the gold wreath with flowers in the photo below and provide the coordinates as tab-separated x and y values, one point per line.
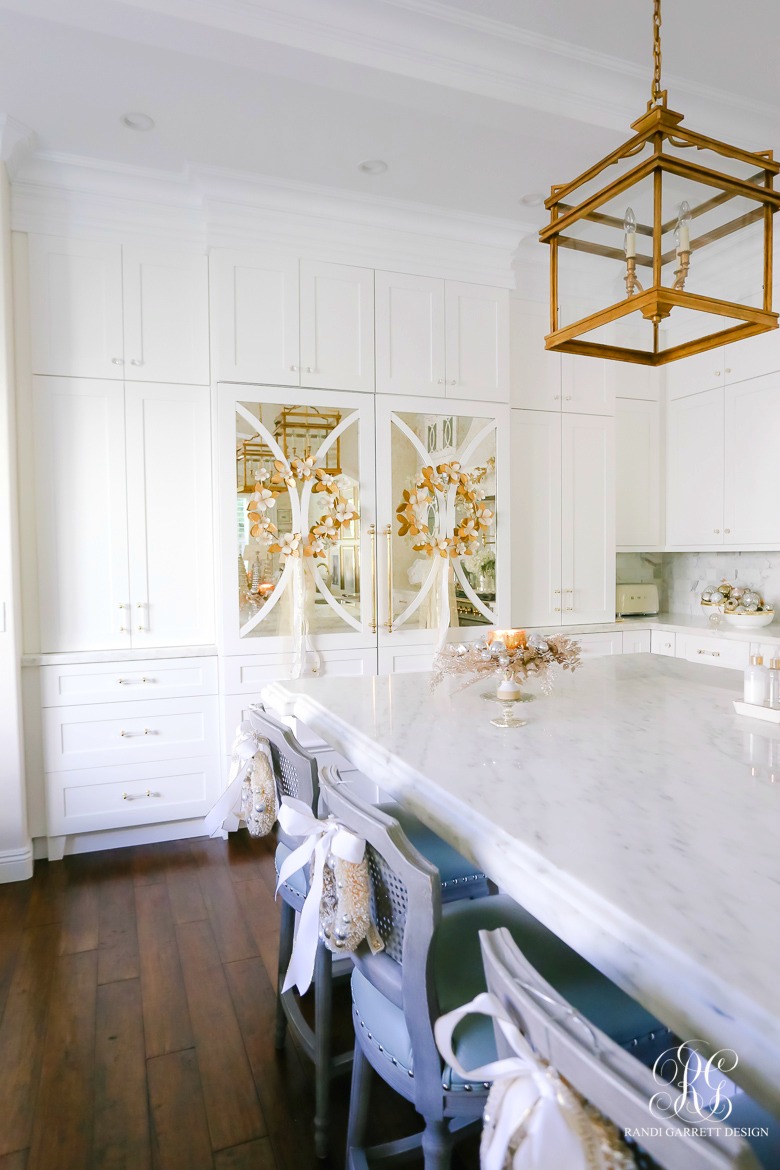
477	520
325	531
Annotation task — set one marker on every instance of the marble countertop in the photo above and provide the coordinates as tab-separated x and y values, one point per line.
682	623
635	814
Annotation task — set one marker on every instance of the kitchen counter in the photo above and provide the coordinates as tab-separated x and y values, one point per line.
677	623
629	815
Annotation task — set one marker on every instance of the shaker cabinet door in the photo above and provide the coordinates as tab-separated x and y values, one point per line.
76	307
694	455
166	316
752	469
337	326
477	342
254	310
588	518
81	510
535	371
170	515
536	518
409	334
587	385
638	454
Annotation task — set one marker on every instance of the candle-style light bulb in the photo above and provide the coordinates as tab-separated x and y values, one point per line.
682	235
629	227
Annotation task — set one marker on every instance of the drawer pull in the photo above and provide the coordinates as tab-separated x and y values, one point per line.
139	795
712	653
146	731
130	682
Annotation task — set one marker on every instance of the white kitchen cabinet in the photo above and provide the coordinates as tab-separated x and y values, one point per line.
663	642
723	476
101	310
563	534
695	470
631	380
637	641
441	338
166	316
713	651
542	380
752	357
752	468
337	326
73	683
76	307
409	334
695	374
638	473
476	342
81	514
168	431
600	645
588	518
282	322
123	544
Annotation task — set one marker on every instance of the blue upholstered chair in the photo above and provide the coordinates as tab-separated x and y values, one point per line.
297	776
431	964
611	1079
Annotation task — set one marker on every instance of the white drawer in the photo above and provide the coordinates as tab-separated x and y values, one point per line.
597	645
248	675
116	682
132	794
636	641
125	733
663	643
713	651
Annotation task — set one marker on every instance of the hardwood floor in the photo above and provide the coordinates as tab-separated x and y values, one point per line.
136	1018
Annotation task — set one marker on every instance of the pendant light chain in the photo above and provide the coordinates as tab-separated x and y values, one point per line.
658	96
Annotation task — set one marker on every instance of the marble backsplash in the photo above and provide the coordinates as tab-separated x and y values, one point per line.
682	576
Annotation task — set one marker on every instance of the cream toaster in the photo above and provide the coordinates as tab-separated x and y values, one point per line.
633	600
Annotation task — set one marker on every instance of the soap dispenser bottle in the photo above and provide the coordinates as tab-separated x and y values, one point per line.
756	681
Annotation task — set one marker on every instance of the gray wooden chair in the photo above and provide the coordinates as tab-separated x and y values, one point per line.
604	1074
432	964
297	776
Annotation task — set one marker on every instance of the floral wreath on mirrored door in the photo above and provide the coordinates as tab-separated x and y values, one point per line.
339	512
473	517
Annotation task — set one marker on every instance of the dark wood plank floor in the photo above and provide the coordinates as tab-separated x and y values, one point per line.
136	1018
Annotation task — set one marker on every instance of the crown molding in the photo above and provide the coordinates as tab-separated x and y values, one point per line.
204	207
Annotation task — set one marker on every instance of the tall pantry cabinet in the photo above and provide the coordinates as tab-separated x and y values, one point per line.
120	534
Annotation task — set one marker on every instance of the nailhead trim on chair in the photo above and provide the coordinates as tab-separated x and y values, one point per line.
462	881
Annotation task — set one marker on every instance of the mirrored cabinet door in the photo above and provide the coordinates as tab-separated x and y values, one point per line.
299	541
438	477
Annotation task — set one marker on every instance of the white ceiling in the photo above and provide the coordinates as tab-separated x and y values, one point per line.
472	103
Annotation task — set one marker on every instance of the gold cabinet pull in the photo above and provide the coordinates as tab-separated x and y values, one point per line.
139	795
388	625
372	538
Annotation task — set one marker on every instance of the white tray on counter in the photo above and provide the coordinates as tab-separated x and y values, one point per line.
754	711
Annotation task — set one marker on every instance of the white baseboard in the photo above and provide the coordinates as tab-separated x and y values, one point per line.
121	838
16	865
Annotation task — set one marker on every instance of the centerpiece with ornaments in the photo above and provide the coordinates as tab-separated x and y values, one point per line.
738	604
514	656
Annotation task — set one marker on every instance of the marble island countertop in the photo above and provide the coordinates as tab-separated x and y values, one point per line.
636	815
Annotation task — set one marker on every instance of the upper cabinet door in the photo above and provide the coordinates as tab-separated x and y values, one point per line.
337	326
536	519
76	307
170	515
409	334
588	518
166	316
692	375
752	357
587	385
254	310
752	469
694	460
477	342
81	511
535	371
638	453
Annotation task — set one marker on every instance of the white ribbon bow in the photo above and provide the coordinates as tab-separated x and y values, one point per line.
526	1092
322	838
247	743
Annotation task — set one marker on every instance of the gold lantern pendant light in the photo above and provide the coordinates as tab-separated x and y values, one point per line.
673	255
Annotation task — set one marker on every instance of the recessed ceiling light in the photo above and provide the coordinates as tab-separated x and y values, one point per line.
373	166
532	200
135	121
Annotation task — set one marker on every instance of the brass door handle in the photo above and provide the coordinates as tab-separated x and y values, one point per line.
388	625
372	538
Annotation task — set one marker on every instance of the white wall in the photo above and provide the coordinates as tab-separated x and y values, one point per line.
15	846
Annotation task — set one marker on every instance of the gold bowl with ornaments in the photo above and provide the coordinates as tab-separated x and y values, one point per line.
740	605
